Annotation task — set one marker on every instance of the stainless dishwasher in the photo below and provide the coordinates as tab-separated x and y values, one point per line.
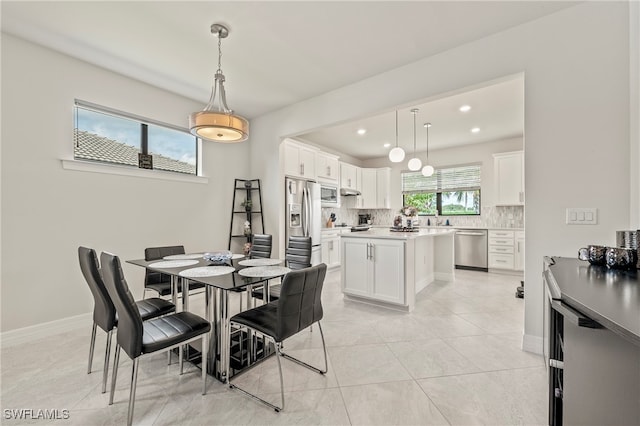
471	249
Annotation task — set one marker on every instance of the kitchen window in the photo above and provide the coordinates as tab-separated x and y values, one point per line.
108	136
450	191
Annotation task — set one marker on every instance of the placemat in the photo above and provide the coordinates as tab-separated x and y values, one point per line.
264	271
206	271
183	256
173	263
260	262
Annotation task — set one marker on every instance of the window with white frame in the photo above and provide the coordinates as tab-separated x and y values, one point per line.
449	191
108	136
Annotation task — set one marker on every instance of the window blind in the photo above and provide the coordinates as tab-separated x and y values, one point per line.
449	179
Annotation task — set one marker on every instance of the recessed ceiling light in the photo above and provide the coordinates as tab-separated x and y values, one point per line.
387	145
465	108
475	130
362	131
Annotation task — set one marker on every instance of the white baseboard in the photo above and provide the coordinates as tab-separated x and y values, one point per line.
532	344
423	283
38	331
445	276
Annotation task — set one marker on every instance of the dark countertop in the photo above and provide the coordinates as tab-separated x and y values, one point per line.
608	296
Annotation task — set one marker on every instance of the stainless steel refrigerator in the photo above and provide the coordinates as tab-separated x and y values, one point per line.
303	209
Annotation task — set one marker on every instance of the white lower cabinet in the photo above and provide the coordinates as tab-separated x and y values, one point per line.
506	250
331	250
501	249
365	276
518	249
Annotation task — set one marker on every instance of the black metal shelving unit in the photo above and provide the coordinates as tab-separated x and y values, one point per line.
253	194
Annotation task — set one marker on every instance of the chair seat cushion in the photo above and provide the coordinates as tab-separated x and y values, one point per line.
164	289
163	332
263	318
154	307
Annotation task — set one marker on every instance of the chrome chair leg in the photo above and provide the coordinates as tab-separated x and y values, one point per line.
181	358
203	365
107	354
311	367
116	359
278	356
132	391
92	346
275	407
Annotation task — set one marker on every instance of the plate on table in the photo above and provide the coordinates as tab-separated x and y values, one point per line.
264	271
173	263
237	256
183	256
206	271
260	262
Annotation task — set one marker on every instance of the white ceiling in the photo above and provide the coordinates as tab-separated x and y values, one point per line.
280	53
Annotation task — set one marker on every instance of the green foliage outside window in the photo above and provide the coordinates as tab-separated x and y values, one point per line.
424	202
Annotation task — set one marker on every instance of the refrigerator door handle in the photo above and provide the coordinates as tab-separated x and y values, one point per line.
305	212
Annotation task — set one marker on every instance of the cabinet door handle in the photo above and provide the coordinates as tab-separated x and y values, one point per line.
349	182
302	168
330	245
372	250
328	170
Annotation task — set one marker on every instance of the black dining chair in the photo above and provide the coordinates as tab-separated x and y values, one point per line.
298	307
104	312
297	256
138	338
159	282
260	246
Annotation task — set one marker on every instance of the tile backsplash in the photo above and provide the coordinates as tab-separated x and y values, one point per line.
490	217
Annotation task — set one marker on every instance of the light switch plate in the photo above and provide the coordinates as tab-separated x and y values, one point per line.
582	216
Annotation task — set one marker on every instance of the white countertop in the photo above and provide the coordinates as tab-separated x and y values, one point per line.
492	228
388	234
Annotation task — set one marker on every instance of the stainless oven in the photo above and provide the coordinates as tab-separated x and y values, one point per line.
329	195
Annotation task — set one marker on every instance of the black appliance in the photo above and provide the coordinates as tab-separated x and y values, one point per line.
363	219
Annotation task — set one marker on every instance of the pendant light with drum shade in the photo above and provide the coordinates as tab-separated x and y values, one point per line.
427	170
396	154
216	122
414	164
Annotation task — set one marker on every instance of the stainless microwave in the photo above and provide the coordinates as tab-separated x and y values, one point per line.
329	195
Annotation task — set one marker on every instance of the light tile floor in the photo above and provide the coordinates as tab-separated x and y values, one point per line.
455	360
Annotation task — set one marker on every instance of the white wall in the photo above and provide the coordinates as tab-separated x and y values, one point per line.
47	212
476	153
577	124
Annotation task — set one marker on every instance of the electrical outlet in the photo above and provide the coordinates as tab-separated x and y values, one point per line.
582	216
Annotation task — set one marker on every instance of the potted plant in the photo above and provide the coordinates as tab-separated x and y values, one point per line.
247	204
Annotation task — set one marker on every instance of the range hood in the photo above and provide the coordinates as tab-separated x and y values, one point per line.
346	192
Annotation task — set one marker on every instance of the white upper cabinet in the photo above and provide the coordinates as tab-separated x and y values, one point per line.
299	160
368	188
383	188
327	167
349	176
375	185
508	168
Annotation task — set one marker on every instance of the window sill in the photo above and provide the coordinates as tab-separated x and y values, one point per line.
114	169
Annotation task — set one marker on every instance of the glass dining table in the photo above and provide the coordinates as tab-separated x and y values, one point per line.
220	281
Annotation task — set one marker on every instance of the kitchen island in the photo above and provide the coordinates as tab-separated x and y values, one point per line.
388	268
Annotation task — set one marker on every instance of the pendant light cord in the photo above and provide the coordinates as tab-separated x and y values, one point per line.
396	128
219	52
414	132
